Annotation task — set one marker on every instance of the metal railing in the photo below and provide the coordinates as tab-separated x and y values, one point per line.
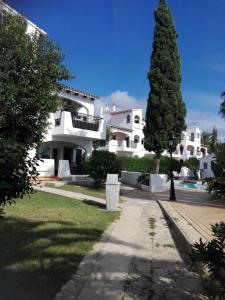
85	121
82	121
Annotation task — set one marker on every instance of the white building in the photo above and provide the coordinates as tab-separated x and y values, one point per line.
190	145
127	132
72	128
128	138
71	132
205	166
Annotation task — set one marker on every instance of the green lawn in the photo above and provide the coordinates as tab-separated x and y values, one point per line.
43	238
91	191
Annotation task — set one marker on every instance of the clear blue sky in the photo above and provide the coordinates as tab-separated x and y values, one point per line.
108	44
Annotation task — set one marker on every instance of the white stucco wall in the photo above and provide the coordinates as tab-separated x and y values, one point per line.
130	177
207	172
46	167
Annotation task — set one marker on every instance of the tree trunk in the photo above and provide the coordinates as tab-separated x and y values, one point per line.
157	163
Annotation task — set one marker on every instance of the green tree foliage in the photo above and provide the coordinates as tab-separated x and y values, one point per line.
210	139
192	163
222	106
220	155
102	143
30	70
165	115
212	255
102	163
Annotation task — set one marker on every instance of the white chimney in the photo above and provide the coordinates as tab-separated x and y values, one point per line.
114	107
101	112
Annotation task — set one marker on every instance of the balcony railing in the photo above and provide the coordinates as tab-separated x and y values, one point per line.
82	121
126	144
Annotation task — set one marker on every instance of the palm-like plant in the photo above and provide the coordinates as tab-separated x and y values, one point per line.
222	105
206	138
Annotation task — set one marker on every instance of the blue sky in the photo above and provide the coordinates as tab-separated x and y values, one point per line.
108	43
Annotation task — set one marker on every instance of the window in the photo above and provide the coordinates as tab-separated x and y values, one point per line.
136	139
198	135
128	118
137	119
192	136
205	166
142	141
43	153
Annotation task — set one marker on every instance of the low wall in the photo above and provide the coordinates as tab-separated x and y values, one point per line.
158	182
130	177
46	167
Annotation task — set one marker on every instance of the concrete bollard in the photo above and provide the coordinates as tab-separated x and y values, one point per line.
112	192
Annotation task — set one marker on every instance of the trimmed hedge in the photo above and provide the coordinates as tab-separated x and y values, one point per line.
147	164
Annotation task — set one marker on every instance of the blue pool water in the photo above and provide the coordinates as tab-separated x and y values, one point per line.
193	186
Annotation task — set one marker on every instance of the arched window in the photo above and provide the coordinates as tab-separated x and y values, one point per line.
192	136
142	141
128	118
181	149
137	119
136	139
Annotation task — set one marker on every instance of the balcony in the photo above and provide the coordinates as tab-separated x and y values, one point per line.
77	124
84	121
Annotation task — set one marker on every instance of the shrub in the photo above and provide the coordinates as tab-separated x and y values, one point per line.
102	163
147	164
136	164
165	165
212	255
216	186
192	163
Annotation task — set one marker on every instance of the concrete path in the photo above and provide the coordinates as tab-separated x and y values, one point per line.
73	195
135	259
198	208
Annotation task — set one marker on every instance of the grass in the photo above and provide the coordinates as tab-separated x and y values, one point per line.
86	190
43	239
169	245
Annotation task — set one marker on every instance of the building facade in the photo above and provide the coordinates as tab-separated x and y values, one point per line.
126	127
127	137
72	129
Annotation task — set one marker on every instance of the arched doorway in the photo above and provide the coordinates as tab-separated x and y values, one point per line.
190	149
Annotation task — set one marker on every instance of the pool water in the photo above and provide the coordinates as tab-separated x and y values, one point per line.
193	186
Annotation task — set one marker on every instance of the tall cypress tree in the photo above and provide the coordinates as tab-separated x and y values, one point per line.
165	115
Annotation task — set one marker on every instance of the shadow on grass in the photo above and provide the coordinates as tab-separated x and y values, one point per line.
95	204
37	258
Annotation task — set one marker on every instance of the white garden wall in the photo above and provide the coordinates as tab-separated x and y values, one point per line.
130	177
46	167
158	183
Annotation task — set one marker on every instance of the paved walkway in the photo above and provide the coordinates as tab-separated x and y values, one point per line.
198	208
136	259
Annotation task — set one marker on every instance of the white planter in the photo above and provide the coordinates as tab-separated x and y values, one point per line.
130	177
158	183
64	168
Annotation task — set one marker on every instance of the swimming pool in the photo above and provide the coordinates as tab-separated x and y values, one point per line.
192	186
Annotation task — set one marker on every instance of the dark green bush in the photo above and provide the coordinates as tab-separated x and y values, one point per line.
147	164
216	186
102	163
192	163
136	164
212	255
165	165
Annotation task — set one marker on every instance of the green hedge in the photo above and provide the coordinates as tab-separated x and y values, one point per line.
146	164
